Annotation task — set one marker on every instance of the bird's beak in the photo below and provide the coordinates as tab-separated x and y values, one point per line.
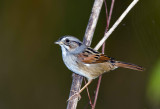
58	42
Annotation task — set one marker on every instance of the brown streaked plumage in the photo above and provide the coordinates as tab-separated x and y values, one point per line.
90	56
88	62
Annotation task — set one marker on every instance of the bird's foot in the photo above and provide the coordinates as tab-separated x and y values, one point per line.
76	95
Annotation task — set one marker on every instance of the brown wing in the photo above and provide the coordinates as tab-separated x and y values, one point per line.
90	56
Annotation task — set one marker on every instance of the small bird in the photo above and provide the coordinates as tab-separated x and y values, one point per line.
87	62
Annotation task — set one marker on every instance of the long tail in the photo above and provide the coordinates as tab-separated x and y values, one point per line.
128	65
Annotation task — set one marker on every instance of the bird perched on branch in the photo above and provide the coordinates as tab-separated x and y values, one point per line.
87	62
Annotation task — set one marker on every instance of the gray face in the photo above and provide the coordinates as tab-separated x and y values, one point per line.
70	44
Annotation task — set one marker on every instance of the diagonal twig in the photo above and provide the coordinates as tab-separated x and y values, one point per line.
115	24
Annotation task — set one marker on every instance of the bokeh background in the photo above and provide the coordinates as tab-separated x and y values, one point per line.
32	73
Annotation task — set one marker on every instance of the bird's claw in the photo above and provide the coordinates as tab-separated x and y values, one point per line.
75	96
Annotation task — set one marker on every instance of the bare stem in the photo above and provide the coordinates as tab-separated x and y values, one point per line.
97	90
77	79
76	85
90	101
92	22
110	13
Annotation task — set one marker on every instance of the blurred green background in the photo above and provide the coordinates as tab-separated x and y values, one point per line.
32	73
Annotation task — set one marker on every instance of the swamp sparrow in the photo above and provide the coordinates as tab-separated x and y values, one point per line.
86	61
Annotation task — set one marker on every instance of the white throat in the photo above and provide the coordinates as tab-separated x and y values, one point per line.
64	51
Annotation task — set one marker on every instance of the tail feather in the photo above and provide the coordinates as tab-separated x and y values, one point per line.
128	65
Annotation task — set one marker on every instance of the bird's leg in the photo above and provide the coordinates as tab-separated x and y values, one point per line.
85	86
77	94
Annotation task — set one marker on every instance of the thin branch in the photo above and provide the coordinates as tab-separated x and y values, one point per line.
105	4
90	101
77	79
97	90
76	85
116	24
103	48
92	22
110	13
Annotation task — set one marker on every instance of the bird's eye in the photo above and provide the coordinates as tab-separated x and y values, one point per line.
67	40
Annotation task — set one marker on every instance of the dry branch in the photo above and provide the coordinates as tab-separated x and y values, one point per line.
77	79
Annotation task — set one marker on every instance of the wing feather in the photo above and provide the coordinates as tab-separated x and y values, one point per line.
90	56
